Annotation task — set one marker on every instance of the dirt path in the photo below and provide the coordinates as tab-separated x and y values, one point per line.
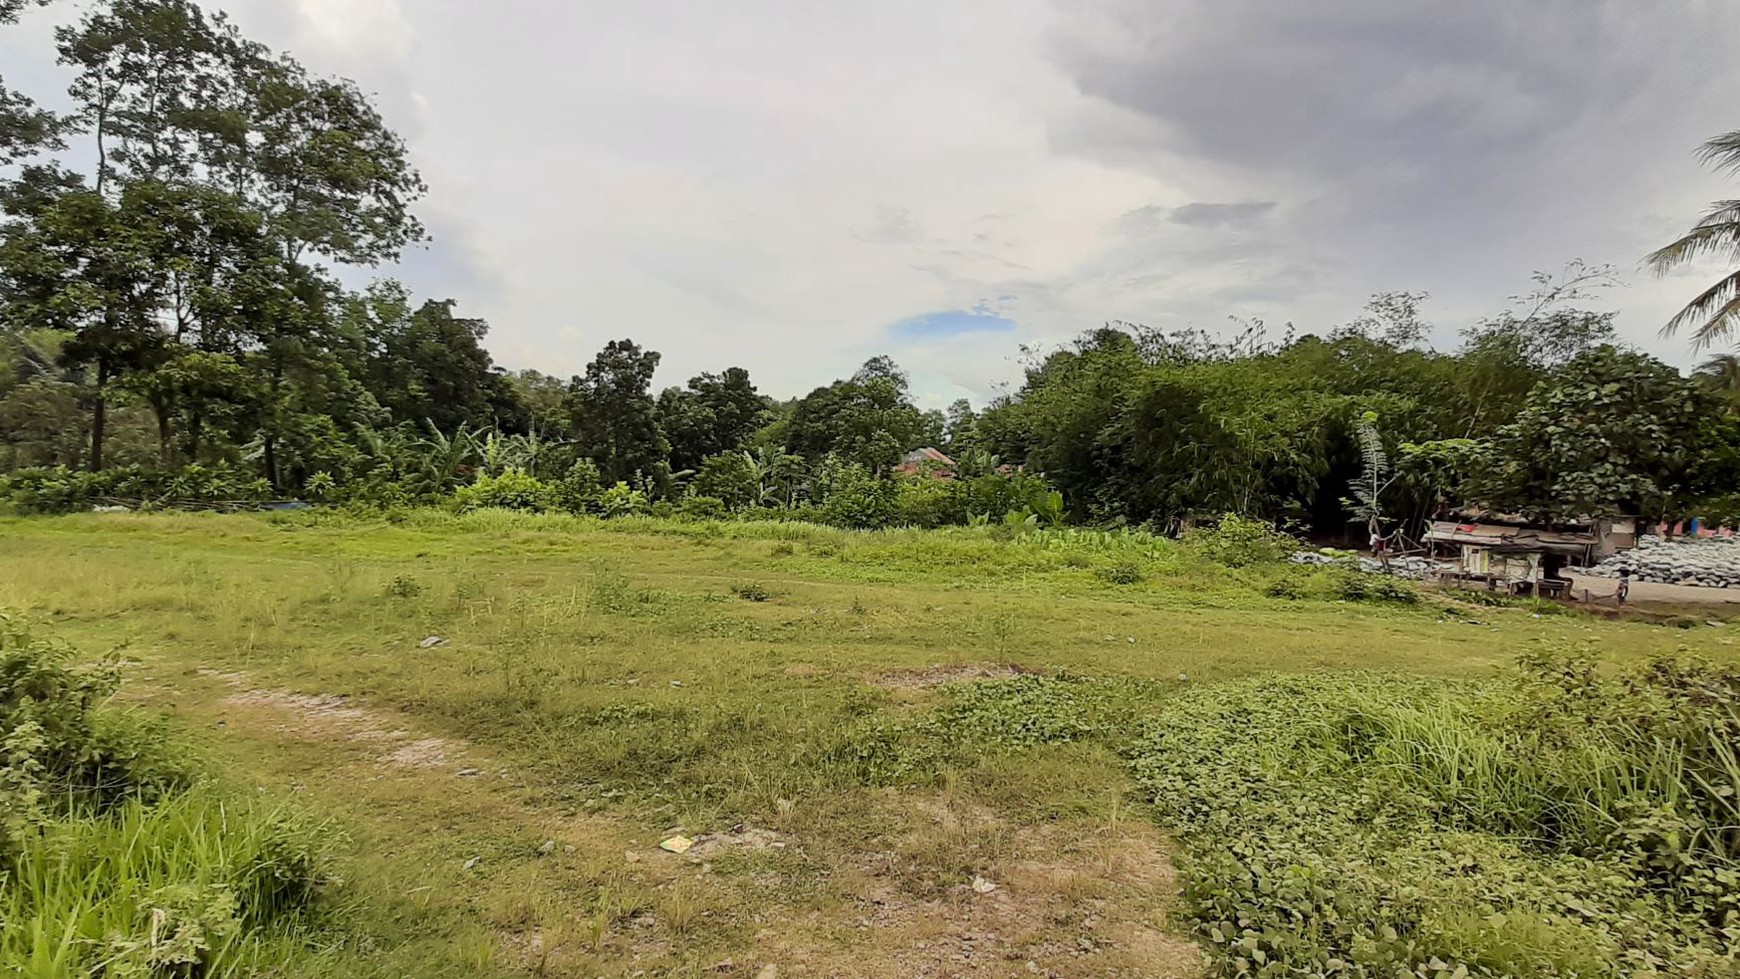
562	893
1643	592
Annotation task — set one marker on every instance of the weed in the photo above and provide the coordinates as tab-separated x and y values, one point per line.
633	706
109	863
1121	574
1365	586
1287	587
751	591
404	586
1239	542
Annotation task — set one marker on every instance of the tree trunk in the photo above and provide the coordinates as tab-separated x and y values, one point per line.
99	416
165	451
195	432
271	440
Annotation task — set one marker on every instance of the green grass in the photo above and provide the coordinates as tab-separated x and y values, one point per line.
202	881
1555	824
637	675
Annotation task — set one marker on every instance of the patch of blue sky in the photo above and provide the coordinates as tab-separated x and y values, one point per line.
951	323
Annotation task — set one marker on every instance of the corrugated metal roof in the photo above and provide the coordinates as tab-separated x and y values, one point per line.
920	456
1507	538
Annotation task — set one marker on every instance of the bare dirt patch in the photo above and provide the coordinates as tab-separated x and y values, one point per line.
317	717
938	676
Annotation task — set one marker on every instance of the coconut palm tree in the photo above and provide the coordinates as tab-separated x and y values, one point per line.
1714	316
1721	373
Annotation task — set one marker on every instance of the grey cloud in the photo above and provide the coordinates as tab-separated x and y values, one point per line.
1444	146
1346	85
1155	219
1202	214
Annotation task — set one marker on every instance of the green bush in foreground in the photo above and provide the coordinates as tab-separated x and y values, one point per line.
113	861
1559	824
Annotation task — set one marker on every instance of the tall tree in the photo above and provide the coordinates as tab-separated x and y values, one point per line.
539	404
960	429
1715	313
615	418
425	364
867	418
25	128
715	413
81	263
1614	433
238	173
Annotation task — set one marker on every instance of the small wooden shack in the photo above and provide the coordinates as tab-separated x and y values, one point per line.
1513	554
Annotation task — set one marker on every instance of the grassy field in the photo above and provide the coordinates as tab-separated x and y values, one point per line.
504	715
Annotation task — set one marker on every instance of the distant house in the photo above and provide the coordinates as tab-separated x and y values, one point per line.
926	460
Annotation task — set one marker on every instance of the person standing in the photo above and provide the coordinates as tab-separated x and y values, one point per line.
1380	545
1623	592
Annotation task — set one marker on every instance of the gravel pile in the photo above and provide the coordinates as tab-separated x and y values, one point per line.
1708	562
1412	568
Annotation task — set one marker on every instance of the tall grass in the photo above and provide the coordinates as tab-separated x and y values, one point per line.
113	860
197	885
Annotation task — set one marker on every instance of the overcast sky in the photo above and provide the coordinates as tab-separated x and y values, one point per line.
795	185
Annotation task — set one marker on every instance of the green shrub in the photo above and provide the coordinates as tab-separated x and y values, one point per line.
928	501
730	477
751	591
1498	599
514	489
1369	586
622	500
702	508
1288	587
57	752
580	490
113	861
1239	542
860	499
62	490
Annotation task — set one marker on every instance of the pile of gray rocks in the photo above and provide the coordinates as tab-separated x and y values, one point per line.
1708	562
1412	568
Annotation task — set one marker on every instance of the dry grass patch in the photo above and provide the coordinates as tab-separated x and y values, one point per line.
954	889
929	677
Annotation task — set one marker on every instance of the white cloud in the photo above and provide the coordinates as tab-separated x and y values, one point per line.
357	28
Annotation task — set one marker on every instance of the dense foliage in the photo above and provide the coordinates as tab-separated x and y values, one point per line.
1562	823
1537	412
114	860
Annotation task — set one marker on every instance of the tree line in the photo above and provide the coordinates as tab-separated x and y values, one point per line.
174	324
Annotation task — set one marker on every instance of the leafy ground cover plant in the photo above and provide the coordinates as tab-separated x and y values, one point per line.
1559	823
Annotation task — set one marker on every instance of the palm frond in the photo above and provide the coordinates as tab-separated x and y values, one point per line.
1368	490
1722	151
1721	372
1718	232
1721	326
1713	316
1721	214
